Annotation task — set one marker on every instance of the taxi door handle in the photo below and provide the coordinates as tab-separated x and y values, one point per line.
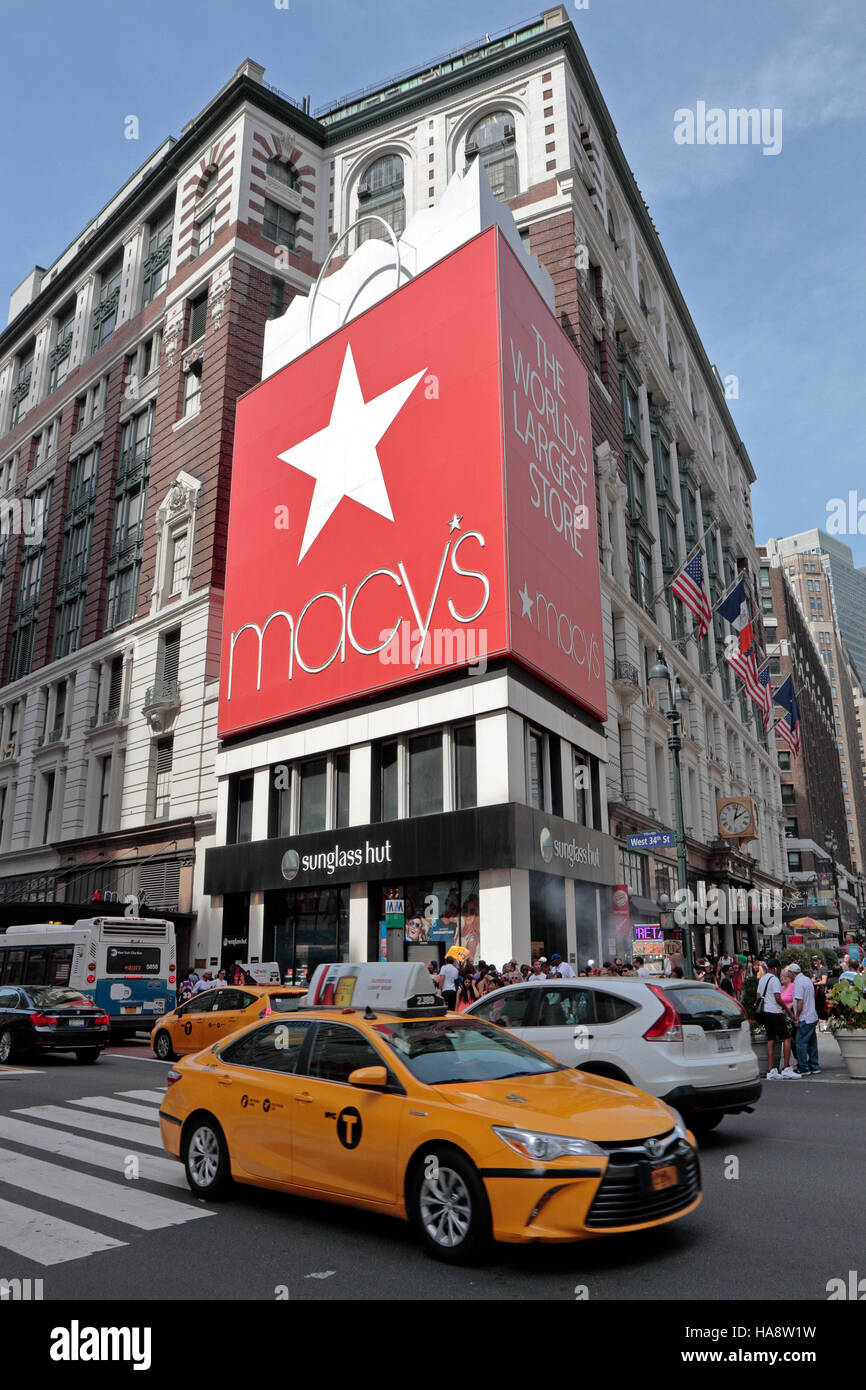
304	1098
225	1080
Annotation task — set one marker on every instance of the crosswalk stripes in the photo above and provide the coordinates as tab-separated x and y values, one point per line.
44	1155
165	1171
115	1107
45	1239
96	1124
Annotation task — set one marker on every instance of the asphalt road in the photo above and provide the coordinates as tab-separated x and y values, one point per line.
777	1222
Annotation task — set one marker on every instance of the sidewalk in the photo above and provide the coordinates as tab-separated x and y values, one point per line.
832	1065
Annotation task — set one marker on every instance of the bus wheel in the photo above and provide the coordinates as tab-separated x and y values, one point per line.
87	1054
163	1048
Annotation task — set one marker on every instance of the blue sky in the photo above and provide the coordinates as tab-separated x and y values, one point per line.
768	250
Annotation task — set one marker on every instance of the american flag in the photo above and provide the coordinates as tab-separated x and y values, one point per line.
767	703
745	665
787	734
788	727
689	587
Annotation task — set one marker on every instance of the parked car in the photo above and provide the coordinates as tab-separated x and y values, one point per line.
39	1018
683	1041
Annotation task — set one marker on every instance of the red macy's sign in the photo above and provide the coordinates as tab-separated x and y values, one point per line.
415	493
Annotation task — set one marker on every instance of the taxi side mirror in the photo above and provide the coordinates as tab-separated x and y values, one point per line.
369	1078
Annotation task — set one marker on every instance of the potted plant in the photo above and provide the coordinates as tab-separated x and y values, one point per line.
846	1003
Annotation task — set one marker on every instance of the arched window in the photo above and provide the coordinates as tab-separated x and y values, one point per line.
283	172
492	139
381	192
207	186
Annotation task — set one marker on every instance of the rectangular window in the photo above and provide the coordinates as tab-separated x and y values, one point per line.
104	317
279	225
465	770
582	787
388	781
341	789
169	664
205	233
795	860
191	392
104	793
197	318
158	257
241	830
633	868
425	774
163	761
280	807
58	359
313	779
49	807
535	769
179	559
276	302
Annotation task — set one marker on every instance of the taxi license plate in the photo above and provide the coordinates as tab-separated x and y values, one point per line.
724	1042
664	1176
130	1008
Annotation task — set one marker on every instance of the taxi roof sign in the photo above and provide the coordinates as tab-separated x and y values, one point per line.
397	988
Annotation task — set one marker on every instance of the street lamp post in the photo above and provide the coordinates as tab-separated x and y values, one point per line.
660	679
831	844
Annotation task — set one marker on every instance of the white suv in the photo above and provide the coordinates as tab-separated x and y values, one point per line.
683	1041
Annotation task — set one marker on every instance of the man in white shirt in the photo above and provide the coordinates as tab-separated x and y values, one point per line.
806	1016
206	982
537	975
770	990
448	977
562	968
640	967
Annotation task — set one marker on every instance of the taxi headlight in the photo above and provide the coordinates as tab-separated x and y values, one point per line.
530	1144
679	1123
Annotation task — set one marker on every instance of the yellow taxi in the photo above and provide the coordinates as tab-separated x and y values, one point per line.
214	1013
371	1093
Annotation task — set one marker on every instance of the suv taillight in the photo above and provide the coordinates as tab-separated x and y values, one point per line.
668	1026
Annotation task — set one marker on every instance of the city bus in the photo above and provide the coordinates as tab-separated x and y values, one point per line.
126	965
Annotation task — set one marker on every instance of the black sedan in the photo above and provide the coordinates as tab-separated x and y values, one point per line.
34	1018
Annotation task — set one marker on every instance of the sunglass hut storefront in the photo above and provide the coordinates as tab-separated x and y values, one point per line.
503	881
417	651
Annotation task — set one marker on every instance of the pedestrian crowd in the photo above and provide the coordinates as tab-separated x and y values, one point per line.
209	979
792	1005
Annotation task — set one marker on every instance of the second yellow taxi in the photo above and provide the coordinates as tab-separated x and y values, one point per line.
372	1094
214	1013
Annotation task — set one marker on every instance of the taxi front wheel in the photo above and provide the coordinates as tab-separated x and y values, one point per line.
163	1048
448	1205
206	1158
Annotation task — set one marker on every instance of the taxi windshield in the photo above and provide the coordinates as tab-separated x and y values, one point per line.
442	1052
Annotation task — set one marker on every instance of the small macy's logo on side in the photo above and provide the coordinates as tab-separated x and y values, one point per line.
77	1343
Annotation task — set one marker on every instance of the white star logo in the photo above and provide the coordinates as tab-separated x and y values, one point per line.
526	601
342	457
454	523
